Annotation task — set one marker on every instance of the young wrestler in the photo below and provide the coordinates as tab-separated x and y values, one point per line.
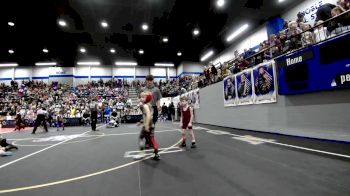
186	121
19	123
148	128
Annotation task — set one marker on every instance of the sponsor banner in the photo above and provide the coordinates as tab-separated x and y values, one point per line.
265	83
244	86
230	94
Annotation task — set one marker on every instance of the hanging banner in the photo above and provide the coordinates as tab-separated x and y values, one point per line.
265	83
230	95
245	87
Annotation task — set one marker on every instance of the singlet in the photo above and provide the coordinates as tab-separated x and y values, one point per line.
186	115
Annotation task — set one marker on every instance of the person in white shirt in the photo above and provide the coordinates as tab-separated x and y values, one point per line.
40	118
321	33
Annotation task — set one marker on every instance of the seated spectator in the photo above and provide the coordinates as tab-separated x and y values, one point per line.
276	45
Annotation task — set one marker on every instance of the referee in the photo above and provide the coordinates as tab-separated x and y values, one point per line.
41	118
94	111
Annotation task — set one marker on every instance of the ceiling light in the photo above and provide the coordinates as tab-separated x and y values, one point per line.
165	39
45	50
62	23
164	64
104	24
179	54
8	65
141	51
207	55
144	27
82	50
126	63
11	24
195	32
220	3
89	63
11	51
280	1
112	50
46	64
236	33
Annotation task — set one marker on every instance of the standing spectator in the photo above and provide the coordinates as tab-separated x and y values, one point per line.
164	111
320	32
172	111
214	73
307	37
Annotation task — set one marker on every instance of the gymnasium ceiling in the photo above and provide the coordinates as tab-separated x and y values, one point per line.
36	27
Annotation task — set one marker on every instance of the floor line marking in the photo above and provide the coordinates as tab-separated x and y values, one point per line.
81	177
287	145
37	152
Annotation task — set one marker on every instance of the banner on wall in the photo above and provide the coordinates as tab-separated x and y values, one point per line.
245	90
230	94
265	83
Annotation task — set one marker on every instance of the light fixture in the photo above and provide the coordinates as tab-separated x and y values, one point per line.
141	51
82	50
220	3
236	33
179	54
45	50
11	51
46	64
11	24
88	63
126	63
207	55
144	27
280	1
104	24
8	65
62	23
164	64
195	32
112	50
165	39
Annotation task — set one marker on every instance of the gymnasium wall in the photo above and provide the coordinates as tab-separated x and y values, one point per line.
317	115
83	74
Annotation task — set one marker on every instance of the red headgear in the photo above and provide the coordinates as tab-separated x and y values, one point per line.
149	98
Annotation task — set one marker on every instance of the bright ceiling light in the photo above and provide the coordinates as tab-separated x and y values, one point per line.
125	63
104	24
220	3
207	55
45	50
62	23
82	50
11	24
8	64
280	1
88	63
11	51
165	39
195	32
164	64
144	27
236	33
141	51
112	50
179	54
46	64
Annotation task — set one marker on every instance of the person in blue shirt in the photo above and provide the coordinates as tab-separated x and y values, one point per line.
107	113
